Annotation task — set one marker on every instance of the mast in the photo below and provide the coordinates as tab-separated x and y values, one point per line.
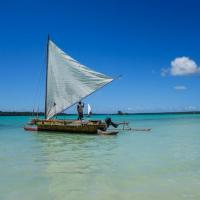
47	63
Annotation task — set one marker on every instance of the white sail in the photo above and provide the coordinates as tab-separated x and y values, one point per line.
68	81
89	109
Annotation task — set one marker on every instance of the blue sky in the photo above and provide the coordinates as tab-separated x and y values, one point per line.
155	45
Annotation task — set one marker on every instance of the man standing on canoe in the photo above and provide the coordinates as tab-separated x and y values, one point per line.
80	107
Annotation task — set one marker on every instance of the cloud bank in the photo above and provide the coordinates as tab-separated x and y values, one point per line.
180	87
181	66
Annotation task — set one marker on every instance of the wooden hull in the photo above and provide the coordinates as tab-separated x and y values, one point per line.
70	126
92	129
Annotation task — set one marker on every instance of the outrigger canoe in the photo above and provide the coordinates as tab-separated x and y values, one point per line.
70	126
68	82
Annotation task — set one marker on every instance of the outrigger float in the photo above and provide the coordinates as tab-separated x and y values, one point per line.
68	82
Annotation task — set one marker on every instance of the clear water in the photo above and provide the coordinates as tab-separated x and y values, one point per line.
161	164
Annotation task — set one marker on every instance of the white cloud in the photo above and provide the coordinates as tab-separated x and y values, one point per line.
184	66
180	87
181	66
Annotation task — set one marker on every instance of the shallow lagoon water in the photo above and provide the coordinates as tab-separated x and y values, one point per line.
161	164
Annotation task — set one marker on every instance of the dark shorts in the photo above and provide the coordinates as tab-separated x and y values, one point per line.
80	115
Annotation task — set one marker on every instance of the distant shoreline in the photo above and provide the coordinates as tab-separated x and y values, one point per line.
7	113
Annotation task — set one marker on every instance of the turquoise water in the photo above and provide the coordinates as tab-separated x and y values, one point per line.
161	164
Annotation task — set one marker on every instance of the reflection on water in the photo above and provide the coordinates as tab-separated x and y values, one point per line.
73	161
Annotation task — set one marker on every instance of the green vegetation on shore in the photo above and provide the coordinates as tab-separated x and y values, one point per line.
15	113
